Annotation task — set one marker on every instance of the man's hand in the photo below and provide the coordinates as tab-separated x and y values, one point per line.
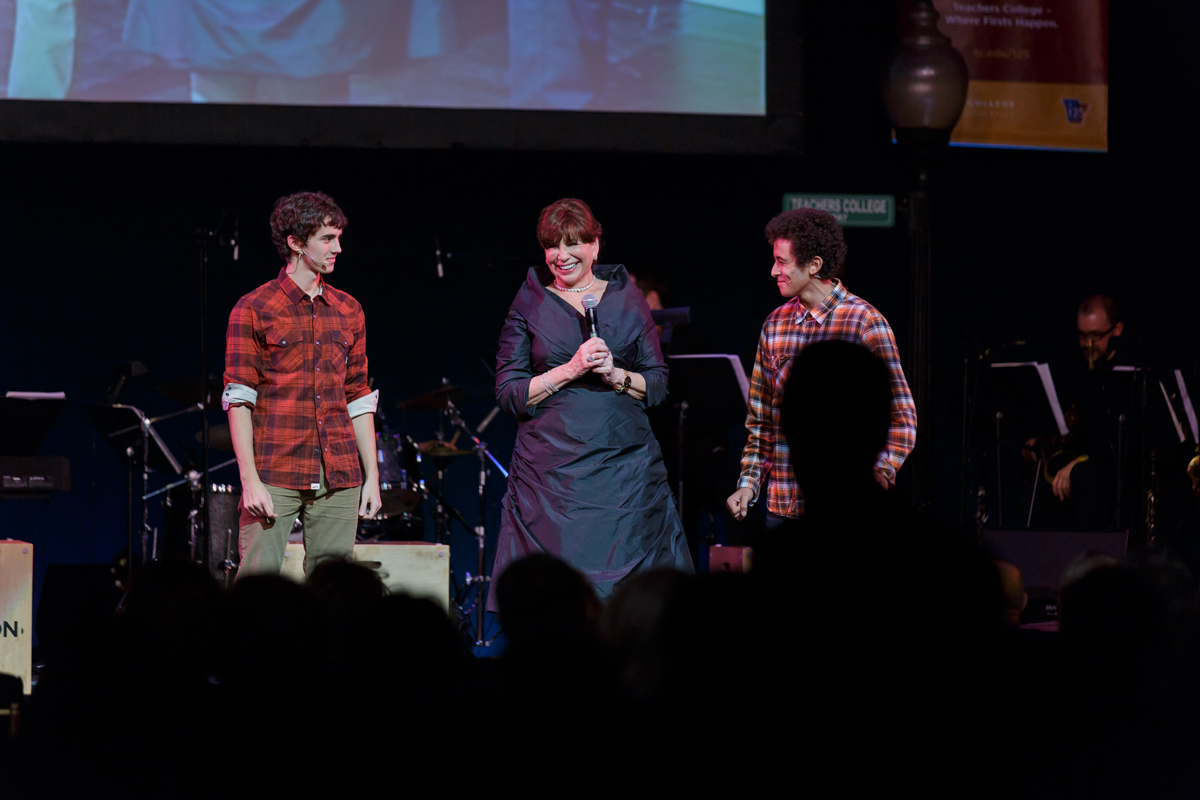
370	503
739	502
1062	481
256	499
882	479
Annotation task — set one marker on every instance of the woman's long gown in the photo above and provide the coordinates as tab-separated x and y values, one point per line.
587	482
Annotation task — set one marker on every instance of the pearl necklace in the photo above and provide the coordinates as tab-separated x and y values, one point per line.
580	289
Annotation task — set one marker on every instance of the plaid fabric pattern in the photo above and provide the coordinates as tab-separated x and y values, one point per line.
789	328
306	359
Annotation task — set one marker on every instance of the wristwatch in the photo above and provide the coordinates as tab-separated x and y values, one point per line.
621	386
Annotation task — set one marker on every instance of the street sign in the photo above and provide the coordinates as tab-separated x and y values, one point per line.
850	210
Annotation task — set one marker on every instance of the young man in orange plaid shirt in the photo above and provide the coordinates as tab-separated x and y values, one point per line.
300	412
809	252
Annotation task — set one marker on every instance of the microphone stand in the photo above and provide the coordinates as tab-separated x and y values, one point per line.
481	578
139	455
205	237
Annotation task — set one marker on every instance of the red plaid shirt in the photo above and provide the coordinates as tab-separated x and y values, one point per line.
789	328
306	359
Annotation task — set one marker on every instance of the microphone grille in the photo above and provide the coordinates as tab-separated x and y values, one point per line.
589	300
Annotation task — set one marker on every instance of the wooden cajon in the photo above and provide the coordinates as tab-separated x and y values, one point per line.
419	569
16	610
730	559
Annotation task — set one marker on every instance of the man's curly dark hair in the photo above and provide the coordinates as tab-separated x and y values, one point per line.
301	215
813	233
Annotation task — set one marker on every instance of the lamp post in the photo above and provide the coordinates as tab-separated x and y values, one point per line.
924	91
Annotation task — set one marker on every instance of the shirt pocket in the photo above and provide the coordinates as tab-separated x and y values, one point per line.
285	350
339	352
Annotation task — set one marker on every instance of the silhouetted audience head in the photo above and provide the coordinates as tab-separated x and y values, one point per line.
714	630
837	410
409	639
1081	565
632	626
542	601
345	588
272	625
1013	588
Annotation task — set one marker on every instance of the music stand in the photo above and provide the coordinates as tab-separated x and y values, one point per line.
712	391
129	432
1027	406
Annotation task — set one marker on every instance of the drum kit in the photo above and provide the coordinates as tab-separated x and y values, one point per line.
412	476
440	452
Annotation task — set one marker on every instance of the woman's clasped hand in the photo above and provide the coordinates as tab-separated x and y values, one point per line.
592	356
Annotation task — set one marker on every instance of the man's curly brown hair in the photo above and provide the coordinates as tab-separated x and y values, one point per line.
813	233
301	215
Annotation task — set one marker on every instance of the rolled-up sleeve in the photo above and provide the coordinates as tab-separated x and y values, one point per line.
367	404
235	394
243	358
513	366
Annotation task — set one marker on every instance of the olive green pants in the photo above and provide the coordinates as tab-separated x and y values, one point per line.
330	518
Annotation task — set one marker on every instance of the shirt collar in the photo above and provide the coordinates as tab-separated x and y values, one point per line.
293	290
831	301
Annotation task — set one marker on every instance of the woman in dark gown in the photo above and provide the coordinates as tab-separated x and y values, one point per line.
587	482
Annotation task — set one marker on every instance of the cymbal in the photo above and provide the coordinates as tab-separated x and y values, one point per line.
219	437
190	391
430	401
436	448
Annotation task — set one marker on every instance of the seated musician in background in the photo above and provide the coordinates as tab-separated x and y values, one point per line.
1096	405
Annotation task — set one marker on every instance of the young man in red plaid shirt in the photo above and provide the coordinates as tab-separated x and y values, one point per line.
809	252
300	412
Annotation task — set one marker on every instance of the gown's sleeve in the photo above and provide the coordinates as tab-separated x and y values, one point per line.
649	361
514	368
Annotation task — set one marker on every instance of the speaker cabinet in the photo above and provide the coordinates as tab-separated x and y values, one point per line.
16	610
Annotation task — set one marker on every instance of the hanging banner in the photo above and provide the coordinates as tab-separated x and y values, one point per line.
1038	70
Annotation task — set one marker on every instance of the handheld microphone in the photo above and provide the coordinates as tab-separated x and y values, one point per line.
589	310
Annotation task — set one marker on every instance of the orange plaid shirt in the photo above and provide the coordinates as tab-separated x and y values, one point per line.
788	329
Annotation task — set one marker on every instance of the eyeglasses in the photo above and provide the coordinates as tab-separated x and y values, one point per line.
1094	335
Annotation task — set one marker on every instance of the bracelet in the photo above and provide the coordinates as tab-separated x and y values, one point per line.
550	387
